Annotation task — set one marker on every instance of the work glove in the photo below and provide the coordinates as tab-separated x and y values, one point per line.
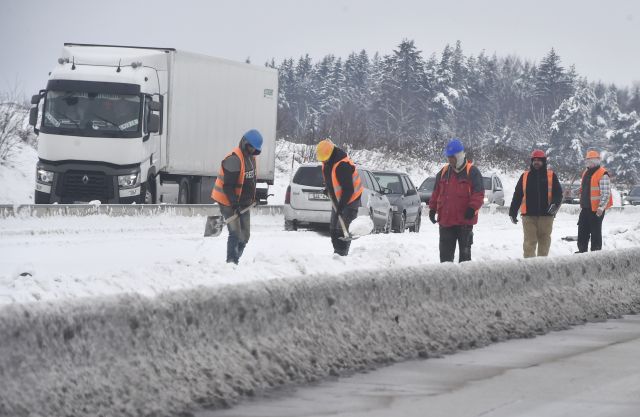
469	213
432	216
514	219
553	209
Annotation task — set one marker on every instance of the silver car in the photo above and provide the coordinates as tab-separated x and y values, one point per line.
404	199
305	203
493	190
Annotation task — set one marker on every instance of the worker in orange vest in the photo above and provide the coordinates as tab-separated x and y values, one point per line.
343	187
538	196
595	199
235	190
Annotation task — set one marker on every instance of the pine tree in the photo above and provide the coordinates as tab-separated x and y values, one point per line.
552	82
571	128
624	164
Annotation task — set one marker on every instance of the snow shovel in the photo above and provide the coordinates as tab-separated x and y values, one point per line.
215	224
347	237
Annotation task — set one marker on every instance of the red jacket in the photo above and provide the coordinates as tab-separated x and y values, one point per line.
454	193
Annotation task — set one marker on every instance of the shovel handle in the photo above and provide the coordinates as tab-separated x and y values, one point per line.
344	227
235	216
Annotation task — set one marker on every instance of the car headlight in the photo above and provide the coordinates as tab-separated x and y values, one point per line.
43	176
129	180
625	202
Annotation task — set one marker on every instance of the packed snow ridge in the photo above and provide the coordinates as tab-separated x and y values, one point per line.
176	353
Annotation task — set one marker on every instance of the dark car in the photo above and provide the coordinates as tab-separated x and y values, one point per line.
633	198
404	199
426	189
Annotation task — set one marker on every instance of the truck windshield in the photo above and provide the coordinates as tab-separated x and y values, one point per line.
92	114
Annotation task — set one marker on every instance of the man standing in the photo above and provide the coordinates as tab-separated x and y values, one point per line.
456	199
595	199
538	196
344	188
235	190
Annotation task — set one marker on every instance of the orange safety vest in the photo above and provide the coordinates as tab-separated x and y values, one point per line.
523	207
468	168
337	188
218	193
595	188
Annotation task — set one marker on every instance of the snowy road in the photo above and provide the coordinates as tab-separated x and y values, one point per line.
60	257
587	371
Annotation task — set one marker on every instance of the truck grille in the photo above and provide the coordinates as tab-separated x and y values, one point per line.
84	186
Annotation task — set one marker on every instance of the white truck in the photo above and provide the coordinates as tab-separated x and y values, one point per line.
124	124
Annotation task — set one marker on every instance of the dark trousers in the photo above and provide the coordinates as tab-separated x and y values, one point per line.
239	233
349	213
449	236
589	226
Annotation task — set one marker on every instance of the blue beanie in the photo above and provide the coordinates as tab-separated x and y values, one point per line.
453	147
254	138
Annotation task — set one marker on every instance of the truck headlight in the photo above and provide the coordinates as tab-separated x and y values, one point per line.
486	200
129	180
43	176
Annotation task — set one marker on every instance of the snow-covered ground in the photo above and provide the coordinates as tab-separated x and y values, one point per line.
63	257
17	176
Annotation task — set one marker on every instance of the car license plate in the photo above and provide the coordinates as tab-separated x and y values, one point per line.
318	196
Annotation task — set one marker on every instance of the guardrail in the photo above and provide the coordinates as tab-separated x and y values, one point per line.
47	210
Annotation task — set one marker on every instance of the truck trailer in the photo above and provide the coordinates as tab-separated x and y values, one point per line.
123	124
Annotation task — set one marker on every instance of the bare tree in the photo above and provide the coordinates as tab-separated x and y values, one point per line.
13	114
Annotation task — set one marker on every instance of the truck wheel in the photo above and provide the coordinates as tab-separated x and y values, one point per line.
184	196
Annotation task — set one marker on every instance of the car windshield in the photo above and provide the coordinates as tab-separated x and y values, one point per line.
391	181
91	114
309	176
428	184
487	183
635	192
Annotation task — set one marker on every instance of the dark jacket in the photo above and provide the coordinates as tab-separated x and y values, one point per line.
344	174
585	193
231	168
454	193
537	199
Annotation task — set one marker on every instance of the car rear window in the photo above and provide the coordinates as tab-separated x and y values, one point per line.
487	183
309	176
635	192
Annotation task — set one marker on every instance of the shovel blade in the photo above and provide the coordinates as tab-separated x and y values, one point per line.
213	226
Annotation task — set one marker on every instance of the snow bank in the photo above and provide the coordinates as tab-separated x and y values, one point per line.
132	356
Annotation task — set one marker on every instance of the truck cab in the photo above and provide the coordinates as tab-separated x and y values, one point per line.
101	126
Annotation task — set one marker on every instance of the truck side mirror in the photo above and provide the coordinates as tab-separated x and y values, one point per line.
154	106
153	123
35	99
33	116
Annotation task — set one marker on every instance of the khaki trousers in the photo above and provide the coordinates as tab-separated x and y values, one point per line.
537	232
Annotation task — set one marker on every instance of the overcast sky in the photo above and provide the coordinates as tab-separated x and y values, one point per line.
602	38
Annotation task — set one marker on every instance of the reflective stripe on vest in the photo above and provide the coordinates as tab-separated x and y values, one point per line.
355	177
218	194
523	206
595	189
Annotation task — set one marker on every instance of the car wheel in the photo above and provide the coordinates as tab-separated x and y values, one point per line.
373	220
290	225
403	223
416	226
389	223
